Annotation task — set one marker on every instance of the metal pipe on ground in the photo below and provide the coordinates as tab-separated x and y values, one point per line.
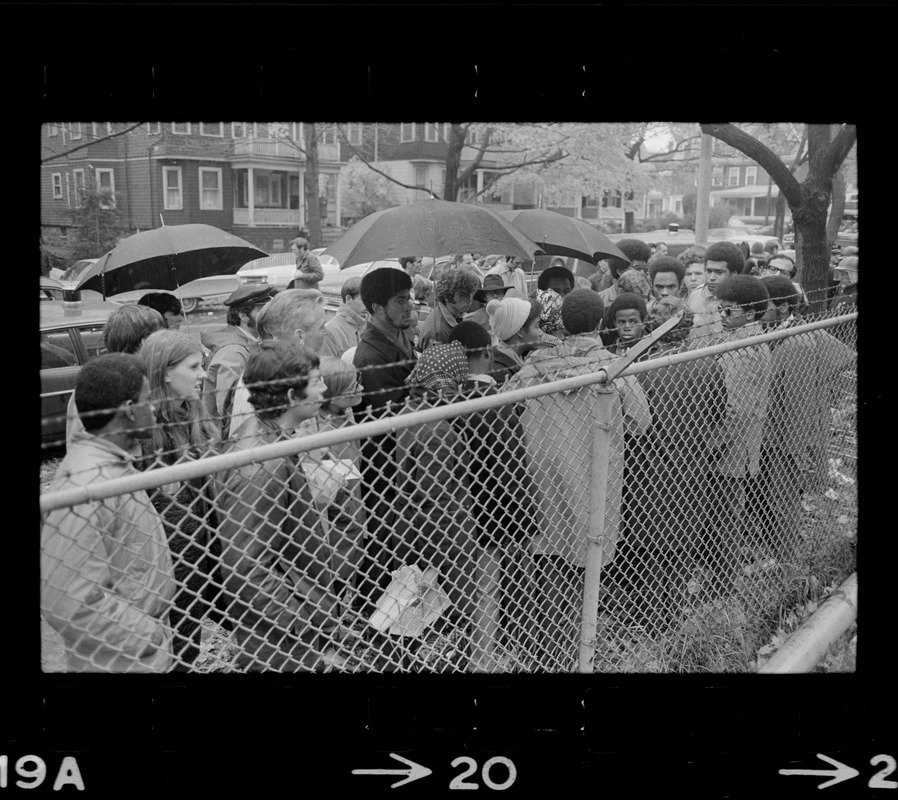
807	645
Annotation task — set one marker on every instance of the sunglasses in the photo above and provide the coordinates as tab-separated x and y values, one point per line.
729	311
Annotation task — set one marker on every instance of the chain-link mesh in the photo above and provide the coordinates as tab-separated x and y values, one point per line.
445	540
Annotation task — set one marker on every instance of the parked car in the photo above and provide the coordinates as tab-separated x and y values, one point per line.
67	342
278	269
70	277
213	290
325	260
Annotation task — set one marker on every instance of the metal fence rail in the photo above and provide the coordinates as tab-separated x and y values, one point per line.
563	523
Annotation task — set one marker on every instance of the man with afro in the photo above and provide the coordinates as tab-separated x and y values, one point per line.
736	444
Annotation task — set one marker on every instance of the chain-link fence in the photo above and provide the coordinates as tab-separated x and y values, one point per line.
562	522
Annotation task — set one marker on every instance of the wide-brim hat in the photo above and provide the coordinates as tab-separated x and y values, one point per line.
491	283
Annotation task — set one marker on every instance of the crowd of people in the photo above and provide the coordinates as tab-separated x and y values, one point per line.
281	551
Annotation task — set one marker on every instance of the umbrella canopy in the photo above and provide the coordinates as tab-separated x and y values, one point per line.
559	235
429	228
168	257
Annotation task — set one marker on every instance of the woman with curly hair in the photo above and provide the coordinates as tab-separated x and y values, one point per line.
454	291
174	363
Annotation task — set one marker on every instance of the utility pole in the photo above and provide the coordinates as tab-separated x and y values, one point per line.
703	194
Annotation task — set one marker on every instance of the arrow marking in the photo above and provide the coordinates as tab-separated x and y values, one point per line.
416	771
842	772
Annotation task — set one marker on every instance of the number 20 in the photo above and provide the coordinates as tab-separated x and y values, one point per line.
458	782
878	781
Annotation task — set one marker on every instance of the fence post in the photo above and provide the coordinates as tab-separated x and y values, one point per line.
598	484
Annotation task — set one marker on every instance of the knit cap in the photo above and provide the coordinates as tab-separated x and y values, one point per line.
507	316
582	311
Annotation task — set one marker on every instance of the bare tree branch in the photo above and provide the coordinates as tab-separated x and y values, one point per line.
838	149
90	142
759	152
379	171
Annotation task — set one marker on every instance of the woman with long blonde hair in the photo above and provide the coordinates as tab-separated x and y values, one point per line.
174	362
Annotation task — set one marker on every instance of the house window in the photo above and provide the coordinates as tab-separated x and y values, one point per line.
406	132
751	176
93	130
154	128
106	186
74	130
78	177
678	206
447	131
173	199
268	190
421	176
354	133
210	189
733	176
53	129
431	132
181	128
655	207
238	130
109	129
329	135
211	129
716	176
56	180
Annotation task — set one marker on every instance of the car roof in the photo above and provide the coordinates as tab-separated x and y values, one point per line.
92	312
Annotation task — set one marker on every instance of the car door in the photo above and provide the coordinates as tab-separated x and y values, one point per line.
61	357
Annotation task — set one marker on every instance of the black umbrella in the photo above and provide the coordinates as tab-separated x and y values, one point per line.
429	228
168	257
559	235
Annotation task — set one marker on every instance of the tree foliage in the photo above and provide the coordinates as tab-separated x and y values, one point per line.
364	191
100	224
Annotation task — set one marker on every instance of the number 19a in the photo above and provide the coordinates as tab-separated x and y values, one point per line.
32	777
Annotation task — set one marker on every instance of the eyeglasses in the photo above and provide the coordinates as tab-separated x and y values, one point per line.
729	311
781	271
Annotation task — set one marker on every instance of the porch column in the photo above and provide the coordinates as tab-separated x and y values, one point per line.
251	196
302	199
337	195
753	206
479	174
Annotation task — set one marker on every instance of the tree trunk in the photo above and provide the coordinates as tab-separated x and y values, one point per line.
812	251
313	210
836	209
779	223
453	161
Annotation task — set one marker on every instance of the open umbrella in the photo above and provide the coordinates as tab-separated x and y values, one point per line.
559	235
431	228
167	258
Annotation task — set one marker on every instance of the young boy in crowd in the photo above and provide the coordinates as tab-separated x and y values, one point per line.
625	322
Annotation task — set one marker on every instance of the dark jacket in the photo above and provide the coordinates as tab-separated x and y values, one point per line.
383	368
273	558
189	520
493	451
